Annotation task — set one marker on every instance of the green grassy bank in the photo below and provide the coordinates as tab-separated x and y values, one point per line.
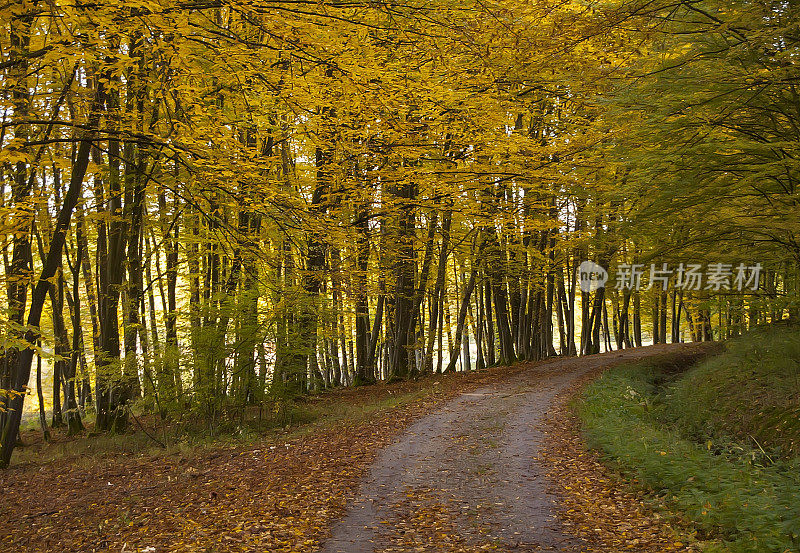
717	443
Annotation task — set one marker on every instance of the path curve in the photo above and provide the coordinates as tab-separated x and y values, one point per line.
473	463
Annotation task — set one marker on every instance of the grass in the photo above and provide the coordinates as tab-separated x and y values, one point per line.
676	435
284	420
751	393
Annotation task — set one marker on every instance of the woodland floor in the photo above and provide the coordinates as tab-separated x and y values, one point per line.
490	460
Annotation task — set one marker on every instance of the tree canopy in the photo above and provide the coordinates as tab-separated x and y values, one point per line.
212	205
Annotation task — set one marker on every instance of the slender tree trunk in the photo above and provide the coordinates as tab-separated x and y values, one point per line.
404	292
112	395
313	277
195	313
480	362
561	313
624	324
21	187
91	298
364	370
40	397
586	326
434	328
490	333
637	319
134	291
10	430
656	318
462	316
573	275
419	294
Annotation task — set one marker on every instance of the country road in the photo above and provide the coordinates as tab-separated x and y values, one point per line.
466	478
454	470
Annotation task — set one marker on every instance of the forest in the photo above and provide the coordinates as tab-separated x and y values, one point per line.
213	209
208	204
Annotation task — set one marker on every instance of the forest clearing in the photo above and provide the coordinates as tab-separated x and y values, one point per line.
400	275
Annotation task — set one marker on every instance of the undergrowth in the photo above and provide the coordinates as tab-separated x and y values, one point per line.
741	497
148	435
751	393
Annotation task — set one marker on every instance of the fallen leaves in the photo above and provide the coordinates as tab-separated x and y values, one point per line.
423	523
278	496
597	506
282	495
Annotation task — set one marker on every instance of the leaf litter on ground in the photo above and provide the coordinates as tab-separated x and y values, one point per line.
278	495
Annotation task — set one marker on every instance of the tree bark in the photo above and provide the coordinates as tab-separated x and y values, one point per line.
10	429
462	316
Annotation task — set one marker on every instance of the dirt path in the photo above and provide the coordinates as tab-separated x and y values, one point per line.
465	478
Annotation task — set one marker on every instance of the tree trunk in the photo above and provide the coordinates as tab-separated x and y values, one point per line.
462	316
364	369
434	326
404	291
10	429
490	333
656	318
40	397
111	393
637	319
